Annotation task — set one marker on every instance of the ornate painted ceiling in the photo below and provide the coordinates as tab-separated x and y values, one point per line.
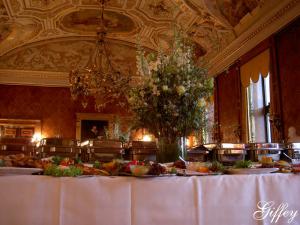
55	35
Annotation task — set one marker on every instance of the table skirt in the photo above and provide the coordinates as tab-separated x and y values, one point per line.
210	200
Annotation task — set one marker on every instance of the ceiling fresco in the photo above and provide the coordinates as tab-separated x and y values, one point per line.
64	55
2	9
235	10
87	20
54	35
5	28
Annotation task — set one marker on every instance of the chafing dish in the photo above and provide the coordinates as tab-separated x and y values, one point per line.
293	150
10	146
143	150
103	150
228	153
198	154
259	150
58	146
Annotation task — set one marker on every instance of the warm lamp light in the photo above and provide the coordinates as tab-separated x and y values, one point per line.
37	137
146	137
188	143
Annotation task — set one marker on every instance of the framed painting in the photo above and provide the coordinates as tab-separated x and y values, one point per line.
94	125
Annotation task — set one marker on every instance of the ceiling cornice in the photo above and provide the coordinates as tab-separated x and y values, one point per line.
34	78
40	78
272	22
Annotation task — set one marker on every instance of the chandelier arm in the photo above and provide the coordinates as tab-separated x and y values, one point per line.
99	79
108	58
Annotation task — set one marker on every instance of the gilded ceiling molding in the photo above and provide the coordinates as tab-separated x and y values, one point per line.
40	78
262	29
210	23
34	78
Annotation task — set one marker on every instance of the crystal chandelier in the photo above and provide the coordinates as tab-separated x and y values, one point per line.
99	79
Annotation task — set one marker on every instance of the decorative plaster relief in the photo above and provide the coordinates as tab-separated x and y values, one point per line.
159	9
65	55
43	4
5	28
3	11
87	20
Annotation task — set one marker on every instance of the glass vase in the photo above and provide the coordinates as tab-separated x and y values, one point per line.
168	151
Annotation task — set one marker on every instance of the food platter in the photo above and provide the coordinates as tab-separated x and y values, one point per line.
188	173
18	171
251	170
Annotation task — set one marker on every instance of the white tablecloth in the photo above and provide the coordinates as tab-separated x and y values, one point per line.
213	200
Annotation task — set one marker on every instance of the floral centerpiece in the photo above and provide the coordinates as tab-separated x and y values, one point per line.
171	98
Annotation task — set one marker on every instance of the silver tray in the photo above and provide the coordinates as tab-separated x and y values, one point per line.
188	173
251	170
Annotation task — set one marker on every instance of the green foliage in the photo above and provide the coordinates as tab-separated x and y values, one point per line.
243	164
57	171
171	99
97	164
56	159
217	167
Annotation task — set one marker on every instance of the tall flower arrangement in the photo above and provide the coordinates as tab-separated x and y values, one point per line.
171	98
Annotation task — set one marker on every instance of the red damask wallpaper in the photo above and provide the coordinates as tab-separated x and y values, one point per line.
288	55
229	104
52	105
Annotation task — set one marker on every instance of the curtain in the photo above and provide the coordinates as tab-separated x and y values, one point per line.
259	65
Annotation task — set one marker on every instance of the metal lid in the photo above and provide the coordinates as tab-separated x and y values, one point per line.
211	146
266	146
198	149
293	146
237	146
233	146
105	143
58	142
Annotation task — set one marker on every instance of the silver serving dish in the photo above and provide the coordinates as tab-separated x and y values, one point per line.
259	150
198	154
103	150
58	142
228	153
58	146
293	150
143	150
10	146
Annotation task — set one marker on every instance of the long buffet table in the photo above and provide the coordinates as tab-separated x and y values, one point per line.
211	200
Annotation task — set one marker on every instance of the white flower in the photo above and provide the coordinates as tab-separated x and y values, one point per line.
165	88
201	103
155	91
153	66
131	100
200	85
180	90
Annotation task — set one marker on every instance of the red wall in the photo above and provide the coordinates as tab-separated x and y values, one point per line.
288	56
228	84
52	105
285	77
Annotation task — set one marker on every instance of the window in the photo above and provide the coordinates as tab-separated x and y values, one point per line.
258	104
